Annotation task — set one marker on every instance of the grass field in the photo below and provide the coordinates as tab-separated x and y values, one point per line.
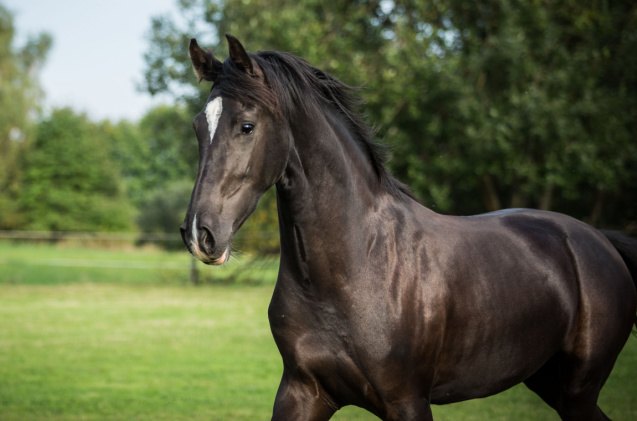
116	342
44	264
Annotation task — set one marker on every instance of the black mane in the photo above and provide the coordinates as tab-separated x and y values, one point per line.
293	84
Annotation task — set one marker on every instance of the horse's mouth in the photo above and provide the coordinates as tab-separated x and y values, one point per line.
214	260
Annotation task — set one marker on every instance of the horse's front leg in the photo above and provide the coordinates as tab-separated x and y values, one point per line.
409	410
302	401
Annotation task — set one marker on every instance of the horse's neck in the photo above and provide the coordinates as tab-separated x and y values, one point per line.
325	198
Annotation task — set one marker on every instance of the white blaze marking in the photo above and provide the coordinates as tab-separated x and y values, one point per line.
194	241
213	113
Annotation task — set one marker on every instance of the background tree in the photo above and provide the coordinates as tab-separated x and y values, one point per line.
163	210
544	84
485	105
70	182
19	93
171	145
130	156
163	169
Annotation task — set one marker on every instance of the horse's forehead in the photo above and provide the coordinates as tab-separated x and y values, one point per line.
214	109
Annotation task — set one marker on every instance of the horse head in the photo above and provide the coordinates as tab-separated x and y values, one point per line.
243	146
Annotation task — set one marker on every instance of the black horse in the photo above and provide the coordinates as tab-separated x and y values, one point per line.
380	302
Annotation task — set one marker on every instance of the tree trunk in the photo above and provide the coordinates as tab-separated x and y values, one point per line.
519	200
194	271
547	197
596	212
490	197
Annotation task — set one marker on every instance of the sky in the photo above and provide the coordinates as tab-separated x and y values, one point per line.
96	61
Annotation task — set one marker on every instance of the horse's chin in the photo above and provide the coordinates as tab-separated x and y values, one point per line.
213	260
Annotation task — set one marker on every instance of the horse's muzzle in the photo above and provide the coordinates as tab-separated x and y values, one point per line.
200	242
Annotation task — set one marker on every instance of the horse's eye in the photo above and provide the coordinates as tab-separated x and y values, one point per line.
247	128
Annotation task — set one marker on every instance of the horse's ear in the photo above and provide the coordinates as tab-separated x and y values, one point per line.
239	56
205	65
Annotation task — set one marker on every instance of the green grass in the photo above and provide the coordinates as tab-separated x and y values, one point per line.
134	348
37	264
118	352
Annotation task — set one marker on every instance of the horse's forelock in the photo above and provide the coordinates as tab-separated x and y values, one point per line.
236	83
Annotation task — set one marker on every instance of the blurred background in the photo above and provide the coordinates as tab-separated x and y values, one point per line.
482	105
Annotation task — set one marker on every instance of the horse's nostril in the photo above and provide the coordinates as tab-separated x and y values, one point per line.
206	240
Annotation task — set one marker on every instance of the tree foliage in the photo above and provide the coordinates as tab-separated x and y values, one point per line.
163	209
19	93
484	104
172	154
69	182
153	152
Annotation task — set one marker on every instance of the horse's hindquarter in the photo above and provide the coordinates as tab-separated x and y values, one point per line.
510	303
515	296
